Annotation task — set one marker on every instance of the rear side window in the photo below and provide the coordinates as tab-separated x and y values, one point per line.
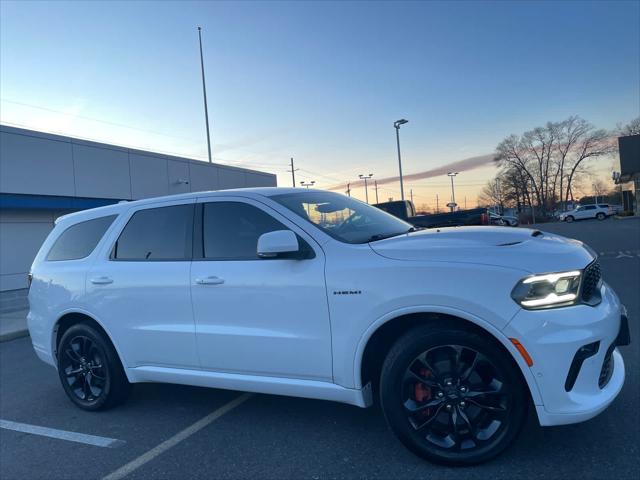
163	233
231	230
79	240
590	207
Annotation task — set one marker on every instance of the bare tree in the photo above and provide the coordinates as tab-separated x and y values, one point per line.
590	143
632	128
547	161
489	196
512	153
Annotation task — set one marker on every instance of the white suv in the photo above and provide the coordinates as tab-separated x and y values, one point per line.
313	294
583	212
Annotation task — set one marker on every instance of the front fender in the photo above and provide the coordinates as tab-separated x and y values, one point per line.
441	309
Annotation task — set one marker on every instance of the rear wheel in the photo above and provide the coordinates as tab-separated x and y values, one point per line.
569	219
90	370
601	216
452	396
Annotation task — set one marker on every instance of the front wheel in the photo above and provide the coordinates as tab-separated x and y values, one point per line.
601	216
569	219
90	370
452	396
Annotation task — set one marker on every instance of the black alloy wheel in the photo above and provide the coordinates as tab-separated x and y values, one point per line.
455	398
569	219
89	369
601	216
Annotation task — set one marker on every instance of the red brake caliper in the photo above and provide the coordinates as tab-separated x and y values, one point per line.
422	392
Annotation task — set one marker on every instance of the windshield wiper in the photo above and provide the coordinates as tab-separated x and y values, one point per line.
382	236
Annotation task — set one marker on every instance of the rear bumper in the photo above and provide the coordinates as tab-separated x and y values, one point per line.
555	337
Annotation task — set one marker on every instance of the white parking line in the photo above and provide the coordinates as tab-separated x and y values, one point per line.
177	438
61	434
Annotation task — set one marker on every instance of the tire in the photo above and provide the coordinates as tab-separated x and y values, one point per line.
569	219
90	370
420	365
601	216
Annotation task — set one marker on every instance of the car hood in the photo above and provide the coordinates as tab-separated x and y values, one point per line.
520	248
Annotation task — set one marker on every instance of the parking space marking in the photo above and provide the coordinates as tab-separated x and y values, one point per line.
61	434
177	438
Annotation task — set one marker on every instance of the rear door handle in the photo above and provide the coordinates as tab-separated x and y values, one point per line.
212	280
101	280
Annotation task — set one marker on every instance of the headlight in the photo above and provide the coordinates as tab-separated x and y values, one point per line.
548	290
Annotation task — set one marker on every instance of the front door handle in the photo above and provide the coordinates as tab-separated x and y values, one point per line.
212	280
101	280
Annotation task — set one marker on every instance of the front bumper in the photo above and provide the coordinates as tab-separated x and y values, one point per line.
553	339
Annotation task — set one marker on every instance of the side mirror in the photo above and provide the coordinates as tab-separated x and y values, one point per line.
277	244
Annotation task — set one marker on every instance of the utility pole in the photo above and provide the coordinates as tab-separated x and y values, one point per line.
411	194
348	189
465	202
293	173
375	183
204	92
365	178
437	204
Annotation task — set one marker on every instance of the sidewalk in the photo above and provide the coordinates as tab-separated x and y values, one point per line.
13	325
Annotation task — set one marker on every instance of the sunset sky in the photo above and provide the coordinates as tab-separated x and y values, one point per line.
322	82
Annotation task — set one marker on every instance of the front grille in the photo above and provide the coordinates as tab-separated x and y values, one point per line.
590	281
607	368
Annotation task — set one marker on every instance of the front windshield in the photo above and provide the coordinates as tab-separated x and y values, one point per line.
342	217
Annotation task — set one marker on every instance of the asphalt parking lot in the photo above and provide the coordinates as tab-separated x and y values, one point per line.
260	436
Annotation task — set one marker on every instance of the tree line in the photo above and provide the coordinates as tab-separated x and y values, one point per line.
541	167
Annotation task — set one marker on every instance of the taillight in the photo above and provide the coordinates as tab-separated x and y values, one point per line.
29	279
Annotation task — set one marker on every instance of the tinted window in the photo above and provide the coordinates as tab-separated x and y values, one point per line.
157	234
590	207
231	230
79	240
342	217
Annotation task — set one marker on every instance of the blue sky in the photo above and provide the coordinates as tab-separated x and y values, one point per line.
320	81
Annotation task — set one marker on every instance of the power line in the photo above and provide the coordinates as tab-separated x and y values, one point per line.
106	122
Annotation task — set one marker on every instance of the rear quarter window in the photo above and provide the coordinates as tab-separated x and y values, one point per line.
79	240
162	233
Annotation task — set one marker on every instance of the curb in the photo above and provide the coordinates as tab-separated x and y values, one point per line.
5	337
630	217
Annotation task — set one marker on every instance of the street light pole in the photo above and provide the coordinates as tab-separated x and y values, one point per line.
204	92
365	178
453	193
308	184
375	182
396	125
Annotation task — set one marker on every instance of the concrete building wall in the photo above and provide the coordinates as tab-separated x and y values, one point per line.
36	167
38	163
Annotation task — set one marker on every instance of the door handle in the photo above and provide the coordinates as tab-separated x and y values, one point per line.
212	280
101	280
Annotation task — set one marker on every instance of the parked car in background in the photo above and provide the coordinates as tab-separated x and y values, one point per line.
405	210
457	331
510	220
503	220
583	212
